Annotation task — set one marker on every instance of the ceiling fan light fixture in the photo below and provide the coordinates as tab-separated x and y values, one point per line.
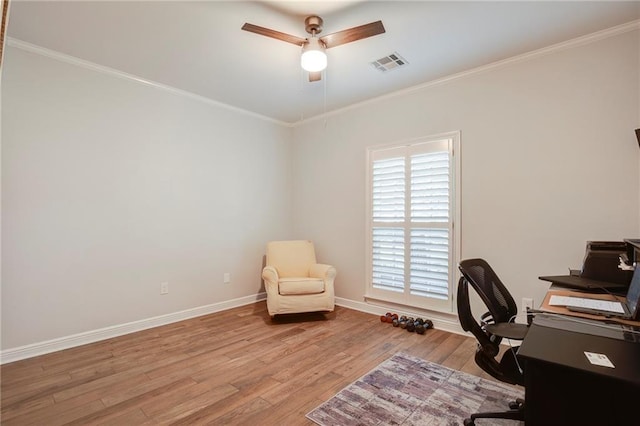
314	58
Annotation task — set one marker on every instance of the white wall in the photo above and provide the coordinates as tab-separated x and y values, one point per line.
549	161
110	187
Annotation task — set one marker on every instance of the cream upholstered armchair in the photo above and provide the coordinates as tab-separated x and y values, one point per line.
294	281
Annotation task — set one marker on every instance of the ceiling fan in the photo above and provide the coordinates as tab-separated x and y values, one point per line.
313	57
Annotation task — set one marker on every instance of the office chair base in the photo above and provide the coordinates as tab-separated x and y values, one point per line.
517	404
516	413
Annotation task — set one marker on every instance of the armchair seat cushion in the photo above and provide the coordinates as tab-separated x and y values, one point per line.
300	286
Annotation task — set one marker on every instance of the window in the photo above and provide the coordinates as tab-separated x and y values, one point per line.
413	212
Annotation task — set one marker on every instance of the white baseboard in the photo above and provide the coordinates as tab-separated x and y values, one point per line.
440	321
41	348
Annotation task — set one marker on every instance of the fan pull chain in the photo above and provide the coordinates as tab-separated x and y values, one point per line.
324	107
301	103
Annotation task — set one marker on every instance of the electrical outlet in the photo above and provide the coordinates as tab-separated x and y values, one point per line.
227	277
164	288
527	302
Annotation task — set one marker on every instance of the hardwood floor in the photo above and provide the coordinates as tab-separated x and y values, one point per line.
231	367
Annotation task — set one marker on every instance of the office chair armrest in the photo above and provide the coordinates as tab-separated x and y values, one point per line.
508	330
486	318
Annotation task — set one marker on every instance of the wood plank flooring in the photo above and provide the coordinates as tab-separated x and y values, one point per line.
235	367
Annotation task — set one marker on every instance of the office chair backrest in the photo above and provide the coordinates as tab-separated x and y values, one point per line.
468	322
493	293
502	309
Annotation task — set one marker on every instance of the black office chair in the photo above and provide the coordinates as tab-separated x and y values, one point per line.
494	325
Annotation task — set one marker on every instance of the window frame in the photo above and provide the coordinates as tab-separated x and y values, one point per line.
408	148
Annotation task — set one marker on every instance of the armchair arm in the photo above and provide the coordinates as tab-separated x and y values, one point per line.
270	276
319	270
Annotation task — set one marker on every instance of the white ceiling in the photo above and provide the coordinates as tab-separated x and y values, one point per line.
198	46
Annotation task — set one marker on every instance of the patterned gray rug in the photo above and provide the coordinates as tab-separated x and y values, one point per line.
405	390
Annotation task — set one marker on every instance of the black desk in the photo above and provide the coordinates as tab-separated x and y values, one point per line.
563	388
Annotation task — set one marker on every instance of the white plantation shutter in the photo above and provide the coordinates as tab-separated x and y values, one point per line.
388	190
388	258
411	223
430	263
430	187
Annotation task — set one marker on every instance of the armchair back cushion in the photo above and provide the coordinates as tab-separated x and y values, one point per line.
291	258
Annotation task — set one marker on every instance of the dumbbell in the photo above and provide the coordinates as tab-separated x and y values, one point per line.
388	317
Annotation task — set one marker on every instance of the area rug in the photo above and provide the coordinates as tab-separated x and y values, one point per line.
407	391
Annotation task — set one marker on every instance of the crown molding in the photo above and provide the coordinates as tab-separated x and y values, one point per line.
62	57
575	42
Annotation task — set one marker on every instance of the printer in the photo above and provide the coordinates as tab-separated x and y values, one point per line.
602	259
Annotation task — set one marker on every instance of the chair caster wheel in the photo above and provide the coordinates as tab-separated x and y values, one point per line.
468	422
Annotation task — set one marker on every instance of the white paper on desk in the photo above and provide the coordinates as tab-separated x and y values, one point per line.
583	302
599	359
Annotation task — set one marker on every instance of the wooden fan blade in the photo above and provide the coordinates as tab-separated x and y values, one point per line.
274	34
353	34
315	76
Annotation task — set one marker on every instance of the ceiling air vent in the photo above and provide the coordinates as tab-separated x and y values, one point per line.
390	62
